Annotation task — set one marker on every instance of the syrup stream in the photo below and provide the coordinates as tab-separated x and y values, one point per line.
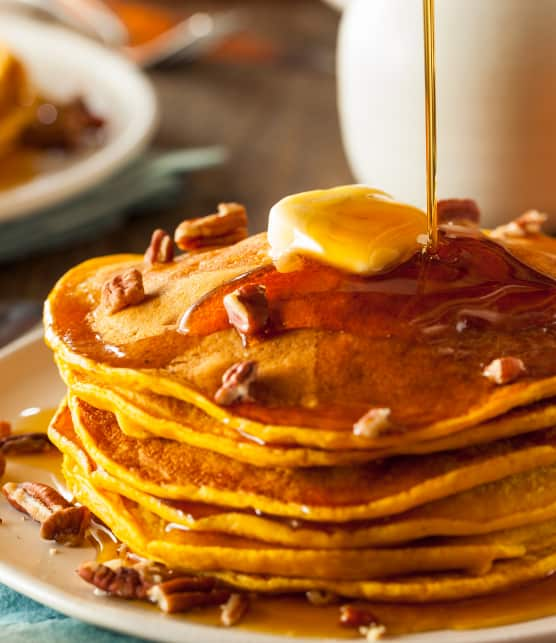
430	122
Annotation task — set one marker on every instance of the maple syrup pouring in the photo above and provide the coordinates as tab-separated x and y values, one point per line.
430	122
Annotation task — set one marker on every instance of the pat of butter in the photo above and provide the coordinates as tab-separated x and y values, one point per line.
353	227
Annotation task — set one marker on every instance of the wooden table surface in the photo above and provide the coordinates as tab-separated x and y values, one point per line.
278	121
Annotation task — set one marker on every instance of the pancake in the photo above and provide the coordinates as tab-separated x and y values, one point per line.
206	551
524	499
146	415
177	471
140	530
344	347
287	415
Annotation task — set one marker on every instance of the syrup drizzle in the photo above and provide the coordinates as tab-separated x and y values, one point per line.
473	282
430	122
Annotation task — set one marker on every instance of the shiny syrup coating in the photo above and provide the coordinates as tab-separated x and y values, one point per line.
471	282
444	318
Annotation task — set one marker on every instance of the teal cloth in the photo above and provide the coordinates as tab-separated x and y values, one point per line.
24	621
150	182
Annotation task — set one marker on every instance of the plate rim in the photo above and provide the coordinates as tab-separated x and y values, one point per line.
146	624
16	203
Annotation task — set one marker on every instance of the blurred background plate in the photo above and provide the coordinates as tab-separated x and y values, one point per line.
64	65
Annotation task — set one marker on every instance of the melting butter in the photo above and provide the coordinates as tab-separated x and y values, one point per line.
355	228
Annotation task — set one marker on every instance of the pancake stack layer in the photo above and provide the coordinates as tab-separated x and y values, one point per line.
373	437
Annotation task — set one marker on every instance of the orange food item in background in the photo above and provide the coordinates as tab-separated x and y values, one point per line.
144	21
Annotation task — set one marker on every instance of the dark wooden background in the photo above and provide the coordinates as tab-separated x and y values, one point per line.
278	120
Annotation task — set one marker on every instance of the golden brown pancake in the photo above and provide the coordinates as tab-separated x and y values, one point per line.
177	471
348	346
524	499
146	415
142	531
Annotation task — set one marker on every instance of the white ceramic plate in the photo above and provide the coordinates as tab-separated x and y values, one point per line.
63	65
28	378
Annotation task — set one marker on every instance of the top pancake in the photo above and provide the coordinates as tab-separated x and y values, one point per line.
346	344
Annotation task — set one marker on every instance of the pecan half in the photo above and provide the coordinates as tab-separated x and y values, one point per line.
320	597
120	581
529	223
5	429
357	616
60	520
122	291
458	211
247	309
183	594
234	609
374	423
504	370
225	228
25	444
161	248
2	467
236	383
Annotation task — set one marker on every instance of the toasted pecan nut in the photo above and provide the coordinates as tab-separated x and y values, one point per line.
122	291
60	520
529	223
185	601
184	593
234	609
226	227
504	370
121	581
25	444
236	383
161	248
2	466
5	429
374	423
357	616
247	309
458	211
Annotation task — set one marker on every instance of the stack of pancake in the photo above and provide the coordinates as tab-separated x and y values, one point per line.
378	448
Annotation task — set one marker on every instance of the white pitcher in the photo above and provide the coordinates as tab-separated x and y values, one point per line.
496	88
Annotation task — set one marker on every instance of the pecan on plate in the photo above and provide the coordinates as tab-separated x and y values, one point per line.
362	619
25	444
247	309
161	248
225	228
115	579
185	593
234	609
60	520
529	223
236	383
458	211
504	370
122	291
374	423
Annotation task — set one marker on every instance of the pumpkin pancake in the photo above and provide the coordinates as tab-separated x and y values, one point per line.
170	470
342	343
206	551
147	536
146	415
524	499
